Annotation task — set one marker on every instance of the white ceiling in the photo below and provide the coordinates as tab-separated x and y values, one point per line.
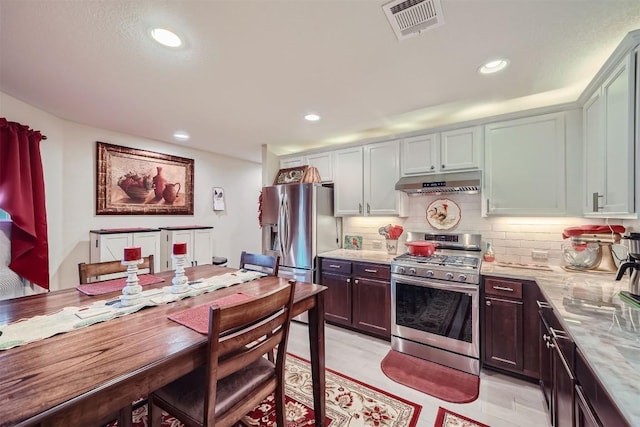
252	68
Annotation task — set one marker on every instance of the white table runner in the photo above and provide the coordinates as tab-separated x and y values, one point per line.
68	319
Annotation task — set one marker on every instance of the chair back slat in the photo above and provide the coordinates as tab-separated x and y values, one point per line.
229	344
241	334
239	360
87	271
258	262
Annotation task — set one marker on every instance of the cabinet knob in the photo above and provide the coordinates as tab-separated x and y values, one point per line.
443	166
349	280
355	281
432	167
488	302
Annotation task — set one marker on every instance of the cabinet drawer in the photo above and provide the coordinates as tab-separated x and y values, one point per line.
503	288
373	271
336	266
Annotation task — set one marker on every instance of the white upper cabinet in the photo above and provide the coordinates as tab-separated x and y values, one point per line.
324	163
453	150
420	154
321	161
525	166
348	173
365	179
460	149
292	162
608	136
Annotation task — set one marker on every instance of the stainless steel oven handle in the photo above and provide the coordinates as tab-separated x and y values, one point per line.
429	283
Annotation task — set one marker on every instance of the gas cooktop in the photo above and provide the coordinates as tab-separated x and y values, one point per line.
468	261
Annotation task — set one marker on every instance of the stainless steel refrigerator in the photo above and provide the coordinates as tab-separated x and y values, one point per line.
298	224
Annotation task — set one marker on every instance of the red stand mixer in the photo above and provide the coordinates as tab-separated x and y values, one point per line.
595	240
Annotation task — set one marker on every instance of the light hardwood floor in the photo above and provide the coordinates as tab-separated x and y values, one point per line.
503	401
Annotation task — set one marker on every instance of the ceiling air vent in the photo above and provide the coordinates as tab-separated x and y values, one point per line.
410	17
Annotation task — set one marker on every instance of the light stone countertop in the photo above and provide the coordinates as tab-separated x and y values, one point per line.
380	257
605	328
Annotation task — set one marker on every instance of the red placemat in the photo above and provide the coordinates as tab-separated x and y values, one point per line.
197	318
106	286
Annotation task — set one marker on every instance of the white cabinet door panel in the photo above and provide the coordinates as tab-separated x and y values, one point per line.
460	149
381	172
525	166
420	154
324	163
618	103
348	176
593	135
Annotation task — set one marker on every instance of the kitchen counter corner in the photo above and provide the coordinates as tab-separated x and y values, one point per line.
603	326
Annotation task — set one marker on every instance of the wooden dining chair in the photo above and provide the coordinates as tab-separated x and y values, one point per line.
236	377
87	271
257	262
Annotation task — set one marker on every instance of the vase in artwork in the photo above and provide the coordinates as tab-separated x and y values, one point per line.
159	182
170	192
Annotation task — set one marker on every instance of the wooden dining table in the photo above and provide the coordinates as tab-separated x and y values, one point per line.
80	377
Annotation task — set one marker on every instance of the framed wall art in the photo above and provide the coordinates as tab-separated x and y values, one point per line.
131	181
290	175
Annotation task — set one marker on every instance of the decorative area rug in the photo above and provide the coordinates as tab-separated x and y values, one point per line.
350	403
106	286
431	378
446	418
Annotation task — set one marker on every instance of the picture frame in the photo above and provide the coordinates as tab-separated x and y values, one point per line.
290	175
218	199
131	181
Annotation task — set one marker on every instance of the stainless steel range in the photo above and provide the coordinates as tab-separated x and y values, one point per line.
435	301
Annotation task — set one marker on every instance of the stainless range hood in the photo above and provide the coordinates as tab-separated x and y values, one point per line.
454	182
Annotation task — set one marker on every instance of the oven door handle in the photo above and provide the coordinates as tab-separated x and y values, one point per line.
429	283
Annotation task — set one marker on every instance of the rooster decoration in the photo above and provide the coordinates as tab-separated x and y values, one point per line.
438	215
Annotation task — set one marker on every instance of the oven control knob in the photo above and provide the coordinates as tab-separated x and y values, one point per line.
401	270
412	271
462	278
449	276
429	273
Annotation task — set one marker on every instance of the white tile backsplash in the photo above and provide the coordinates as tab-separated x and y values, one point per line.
513	238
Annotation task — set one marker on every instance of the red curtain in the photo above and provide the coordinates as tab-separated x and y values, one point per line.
22	196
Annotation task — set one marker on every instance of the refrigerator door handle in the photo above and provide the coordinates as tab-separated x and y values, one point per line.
283	226
286	241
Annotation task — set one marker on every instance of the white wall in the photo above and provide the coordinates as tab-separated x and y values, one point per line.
69	162
513	238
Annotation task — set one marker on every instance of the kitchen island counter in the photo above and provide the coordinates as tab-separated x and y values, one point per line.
379	257
604	327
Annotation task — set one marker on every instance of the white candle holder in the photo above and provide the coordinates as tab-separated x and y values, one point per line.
180	282
132	292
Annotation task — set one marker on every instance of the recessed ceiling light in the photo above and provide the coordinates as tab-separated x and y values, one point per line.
493	66
312	117
181	135
166	37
